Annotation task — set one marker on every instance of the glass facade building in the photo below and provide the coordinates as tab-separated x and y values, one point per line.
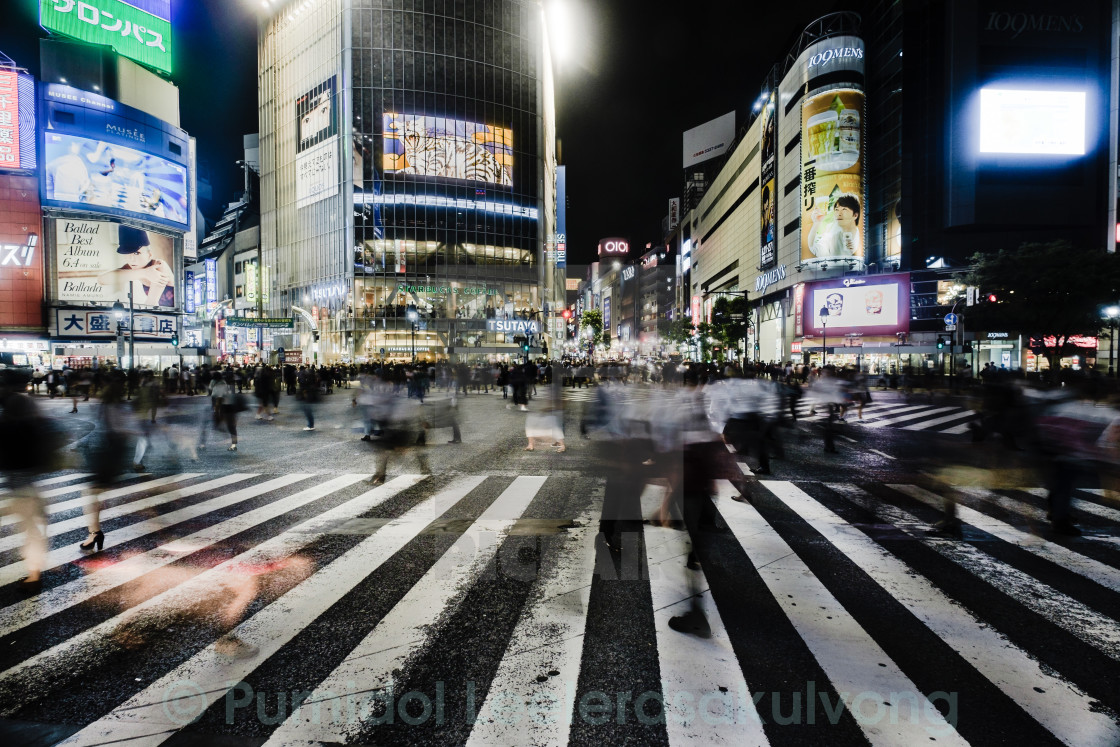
408	163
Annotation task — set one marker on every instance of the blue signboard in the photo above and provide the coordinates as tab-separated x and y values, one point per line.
188	297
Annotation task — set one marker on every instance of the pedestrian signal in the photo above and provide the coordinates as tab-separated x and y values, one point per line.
940	343
175	341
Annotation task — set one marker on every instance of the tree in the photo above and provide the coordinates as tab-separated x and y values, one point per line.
593	319
675	331
1050	292
729	320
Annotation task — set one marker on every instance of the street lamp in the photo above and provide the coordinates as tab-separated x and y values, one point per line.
1112	313
118	313
412	315
823	314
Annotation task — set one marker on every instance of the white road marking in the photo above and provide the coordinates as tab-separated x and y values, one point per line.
1092	627
1057	704
54	600
406	627
860	671
147	717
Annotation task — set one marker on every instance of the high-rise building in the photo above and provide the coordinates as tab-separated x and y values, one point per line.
407	152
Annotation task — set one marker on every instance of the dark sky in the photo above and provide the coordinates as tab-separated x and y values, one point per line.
642	73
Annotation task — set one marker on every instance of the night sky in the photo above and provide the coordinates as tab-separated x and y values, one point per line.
635	83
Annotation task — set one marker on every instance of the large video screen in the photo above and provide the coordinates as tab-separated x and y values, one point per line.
85	173
860	305
97	262
448	148
1032	122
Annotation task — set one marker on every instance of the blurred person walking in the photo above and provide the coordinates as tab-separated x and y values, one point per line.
29	444
106	456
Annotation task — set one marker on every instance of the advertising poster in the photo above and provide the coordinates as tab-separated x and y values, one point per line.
96	262
768	255
190	297
865	306
832	220
448	148
88	173
137	29
317	174
607	318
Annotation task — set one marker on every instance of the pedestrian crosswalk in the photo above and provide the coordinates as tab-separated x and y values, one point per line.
900	414
299	609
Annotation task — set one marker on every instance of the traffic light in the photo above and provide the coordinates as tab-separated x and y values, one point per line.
175	340
525	347
940	342
566	313
991	298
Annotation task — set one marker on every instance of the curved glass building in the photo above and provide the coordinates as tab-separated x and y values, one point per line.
408	176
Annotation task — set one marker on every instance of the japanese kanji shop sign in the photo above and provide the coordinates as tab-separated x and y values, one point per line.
137	29
17	121
73	324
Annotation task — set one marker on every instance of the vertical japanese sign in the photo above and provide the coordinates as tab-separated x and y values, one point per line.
561	217
9	120
137	29
832	221
607	318
190	238
189	298
211	281
251	282
768	254
798	310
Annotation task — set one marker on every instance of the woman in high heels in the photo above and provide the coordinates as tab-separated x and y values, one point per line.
107	458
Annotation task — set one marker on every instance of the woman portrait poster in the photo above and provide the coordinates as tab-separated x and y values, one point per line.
99	261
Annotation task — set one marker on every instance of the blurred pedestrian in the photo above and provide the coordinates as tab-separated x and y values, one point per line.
106	453
29	444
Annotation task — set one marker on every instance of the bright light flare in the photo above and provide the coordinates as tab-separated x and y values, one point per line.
558	17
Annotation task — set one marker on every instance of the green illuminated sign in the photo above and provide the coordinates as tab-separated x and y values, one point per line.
130	31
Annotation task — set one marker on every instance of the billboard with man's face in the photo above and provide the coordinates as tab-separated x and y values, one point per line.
97	262
866	305
832	155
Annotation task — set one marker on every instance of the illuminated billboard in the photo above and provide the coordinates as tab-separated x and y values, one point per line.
1032	122
97	262
102	156
137	29
317	174
17	121
867	305
832	156
448	148
768	218
85	173
614	247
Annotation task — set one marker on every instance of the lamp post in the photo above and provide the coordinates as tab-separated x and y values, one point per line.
823	314
412	315
1112	313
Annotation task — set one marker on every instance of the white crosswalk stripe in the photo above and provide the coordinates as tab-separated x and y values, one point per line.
879	414
780	539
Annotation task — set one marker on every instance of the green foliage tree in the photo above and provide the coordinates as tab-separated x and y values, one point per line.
730	319
593	319
1049	292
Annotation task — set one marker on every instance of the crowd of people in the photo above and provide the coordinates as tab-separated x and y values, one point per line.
676	438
